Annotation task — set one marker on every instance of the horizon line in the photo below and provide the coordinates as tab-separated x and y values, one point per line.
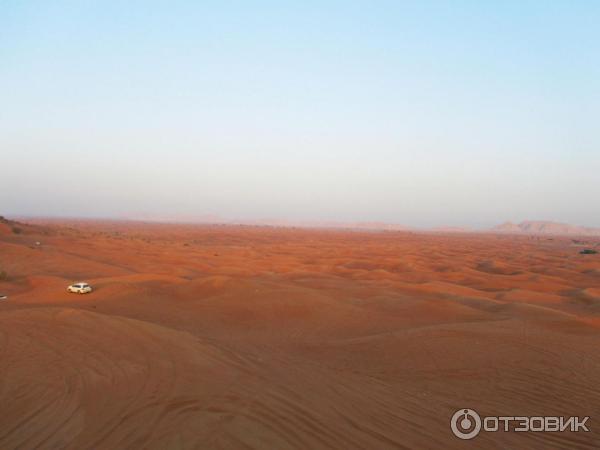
364	225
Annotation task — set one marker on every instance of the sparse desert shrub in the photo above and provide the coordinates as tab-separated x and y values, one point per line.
17	230
588	251
3	275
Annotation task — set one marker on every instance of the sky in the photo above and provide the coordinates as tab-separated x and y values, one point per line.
423	113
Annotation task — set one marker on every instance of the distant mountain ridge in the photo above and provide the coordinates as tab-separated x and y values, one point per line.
546	227
532	227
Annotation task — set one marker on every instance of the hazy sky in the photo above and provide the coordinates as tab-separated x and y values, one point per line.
423	113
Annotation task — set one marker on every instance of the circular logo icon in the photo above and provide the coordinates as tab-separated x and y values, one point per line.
465	423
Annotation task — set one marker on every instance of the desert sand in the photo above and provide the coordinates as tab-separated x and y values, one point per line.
265	337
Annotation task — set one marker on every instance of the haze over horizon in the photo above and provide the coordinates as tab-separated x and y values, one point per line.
424	114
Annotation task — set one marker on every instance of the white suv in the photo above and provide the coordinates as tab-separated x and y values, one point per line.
80	288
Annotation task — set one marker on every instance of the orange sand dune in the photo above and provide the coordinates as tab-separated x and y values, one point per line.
264	337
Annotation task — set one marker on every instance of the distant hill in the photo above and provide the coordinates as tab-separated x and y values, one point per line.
545	227
5	226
